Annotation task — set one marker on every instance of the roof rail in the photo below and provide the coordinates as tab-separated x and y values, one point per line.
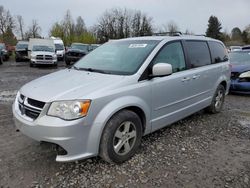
201	35
175	33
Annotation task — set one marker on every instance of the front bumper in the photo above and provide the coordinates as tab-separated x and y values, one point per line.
72	58
239	87
44	62
76	137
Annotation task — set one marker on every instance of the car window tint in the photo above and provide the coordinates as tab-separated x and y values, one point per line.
198	53
218	52
173	54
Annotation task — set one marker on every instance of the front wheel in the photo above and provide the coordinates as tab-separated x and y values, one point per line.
121	137
67	62
217	101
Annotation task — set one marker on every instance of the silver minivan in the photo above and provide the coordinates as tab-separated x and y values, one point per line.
121	91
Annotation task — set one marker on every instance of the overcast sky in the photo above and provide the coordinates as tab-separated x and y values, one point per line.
188	14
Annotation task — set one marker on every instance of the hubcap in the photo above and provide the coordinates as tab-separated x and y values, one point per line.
219	99
124	138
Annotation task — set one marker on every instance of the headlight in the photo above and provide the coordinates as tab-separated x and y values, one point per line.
54	56
33	56
69	110
245	75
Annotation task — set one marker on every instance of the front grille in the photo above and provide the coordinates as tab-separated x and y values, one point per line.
48	57
76	54
30	107
36	103
39	57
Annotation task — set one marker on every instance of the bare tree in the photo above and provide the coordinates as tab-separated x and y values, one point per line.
6	20
34	30
120	23
80	27
171	27
68	24
20	25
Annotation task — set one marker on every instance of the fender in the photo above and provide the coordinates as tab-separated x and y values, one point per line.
110	109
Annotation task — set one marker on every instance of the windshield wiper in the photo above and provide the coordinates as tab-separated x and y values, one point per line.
93	70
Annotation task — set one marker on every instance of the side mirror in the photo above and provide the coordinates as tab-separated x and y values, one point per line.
162	69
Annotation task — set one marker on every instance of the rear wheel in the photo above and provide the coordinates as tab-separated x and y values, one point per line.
121	137
217	101
1	59
31	64
67	62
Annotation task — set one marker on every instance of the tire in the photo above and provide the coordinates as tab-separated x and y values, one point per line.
217	101
67	62
1	59
123	132
31	64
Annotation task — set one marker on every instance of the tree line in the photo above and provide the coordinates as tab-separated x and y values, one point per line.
114	23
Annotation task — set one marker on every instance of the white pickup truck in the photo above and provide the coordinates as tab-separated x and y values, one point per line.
42	51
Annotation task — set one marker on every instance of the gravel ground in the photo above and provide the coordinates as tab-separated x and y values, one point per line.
202	150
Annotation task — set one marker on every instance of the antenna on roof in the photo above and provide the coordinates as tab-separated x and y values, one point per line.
175	33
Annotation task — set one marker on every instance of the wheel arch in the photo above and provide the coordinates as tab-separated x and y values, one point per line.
137	105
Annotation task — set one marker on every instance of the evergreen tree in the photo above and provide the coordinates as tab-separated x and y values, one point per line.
214	27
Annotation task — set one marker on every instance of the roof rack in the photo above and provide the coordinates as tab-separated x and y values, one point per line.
201	35
175	33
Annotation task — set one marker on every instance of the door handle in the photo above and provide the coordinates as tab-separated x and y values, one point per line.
185	79
196	76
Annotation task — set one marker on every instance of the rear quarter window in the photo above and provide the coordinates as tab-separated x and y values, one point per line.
198	53
218	52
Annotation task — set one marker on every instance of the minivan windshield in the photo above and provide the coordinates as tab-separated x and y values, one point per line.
2	46
43	48
122	57
240	58
21	46
82	47
59	46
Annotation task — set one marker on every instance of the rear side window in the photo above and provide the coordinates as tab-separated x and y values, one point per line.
198	52
218	52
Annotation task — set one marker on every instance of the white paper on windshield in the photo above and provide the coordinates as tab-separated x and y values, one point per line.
137	45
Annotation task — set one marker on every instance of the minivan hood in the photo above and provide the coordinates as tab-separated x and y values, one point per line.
42	53
69	84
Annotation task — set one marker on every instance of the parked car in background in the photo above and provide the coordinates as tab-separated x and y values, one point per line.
1	58
21	52
4	51
42	51
124	89
60	49
75	52
234	48
240	74
93	46
246	47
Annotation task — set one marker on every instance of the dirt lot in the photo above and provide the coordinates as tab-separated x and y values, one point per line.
203	150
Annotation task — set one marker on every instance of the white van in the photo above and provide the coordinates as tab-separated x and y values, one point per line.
42	51
60	49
